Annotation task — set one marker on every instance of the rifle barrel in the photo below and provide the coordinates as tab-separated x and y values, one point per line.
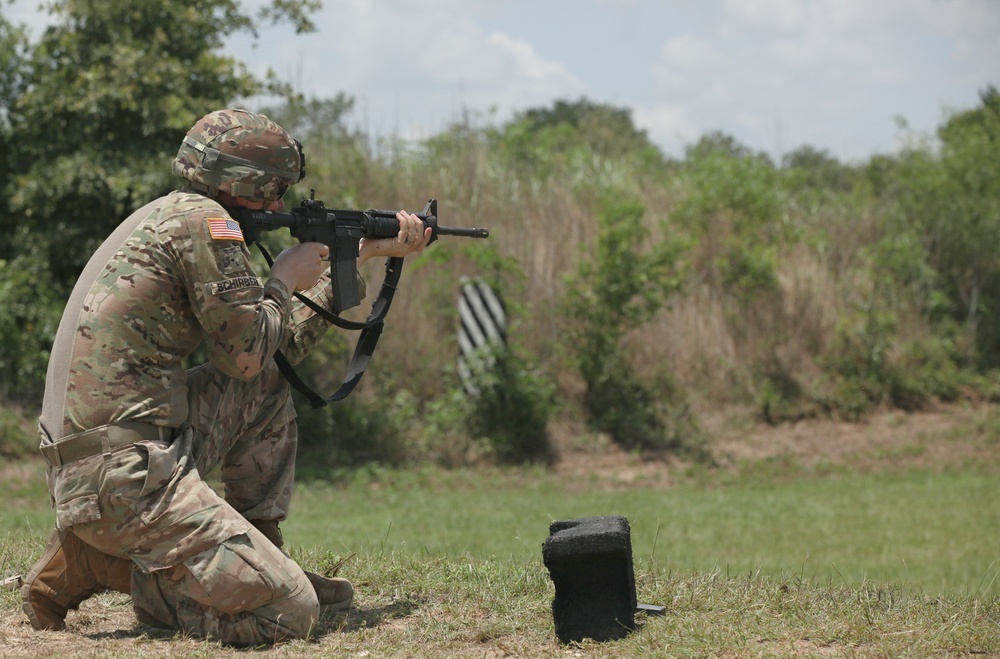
463	232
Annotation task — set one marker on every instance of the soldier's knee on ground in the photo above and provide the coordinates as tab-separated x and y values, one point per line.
243	592
334	594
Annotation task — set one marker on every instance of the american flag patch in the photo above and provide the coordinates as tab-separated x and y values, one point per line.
223	228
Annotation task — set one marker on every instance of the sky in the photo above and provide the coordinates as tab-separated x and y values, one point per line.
836	75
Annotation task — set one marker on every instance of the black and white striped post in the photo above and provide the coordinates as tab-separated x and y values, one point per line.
482	323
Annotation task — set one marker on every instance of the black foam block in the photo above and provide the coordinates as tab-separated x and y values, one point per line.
590	563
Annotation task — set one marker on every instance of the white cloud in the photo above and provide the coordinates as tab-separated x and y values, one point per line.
830	73
763	16
669	125
415	65
773	73
28	13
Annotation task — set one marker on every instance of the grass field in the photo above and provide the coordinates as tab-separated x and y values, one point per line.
887	546
940	532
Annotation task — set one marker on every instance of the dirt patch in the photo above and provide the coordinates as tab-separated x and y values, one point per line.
104	625
953	436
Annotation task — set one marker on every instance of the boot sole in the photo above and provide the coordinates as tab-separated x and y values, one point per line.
335	607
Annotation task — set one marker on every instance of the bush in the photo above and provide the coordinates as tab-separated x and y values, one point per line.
614	291
16	440
351	434
639	415
511	410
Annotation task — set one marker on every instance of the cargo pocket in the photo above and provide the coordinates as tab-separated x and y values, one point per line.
166	465
77	511
161	466
236	576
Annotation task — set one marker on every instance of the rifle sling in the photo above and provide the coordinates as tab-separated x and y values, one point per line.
371	330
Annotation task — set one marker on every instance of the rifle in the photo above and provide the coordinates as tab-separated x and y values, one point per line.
342	231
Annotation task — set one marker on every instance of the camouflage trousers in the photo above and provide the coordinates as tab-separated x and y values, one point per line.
202	568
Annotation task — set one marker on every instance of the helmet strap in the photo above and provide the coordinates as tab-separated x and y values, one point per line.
210	156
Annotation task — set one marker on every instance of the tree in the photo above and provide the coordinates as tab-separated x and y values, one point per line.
816	168
538	135
608	130
92	116
617	288
722	144
110	89
735	205
13	70
953	196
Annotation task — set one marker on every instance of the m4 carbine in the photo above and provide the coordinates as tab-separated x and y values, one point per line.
341	231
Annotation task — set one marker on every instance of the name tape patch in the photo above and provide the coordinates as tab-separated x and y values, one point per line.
234	284
222	228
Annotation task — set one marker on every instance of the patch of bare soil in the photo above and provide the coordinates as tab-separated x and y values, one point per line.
105	626
952	436
948	436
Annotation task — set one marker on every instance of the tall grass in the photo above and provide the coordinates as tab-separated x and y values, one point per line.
803	292
777	272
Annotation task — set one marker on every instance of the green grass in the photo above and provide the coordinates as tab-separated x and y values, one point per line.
938	532
448	563
445	606
935	531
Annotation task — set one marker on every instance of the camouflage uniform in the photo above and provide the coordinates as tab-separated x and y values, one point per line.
173	275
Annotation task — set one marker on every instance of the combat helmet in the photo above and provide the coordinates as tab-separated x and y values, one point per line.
242	153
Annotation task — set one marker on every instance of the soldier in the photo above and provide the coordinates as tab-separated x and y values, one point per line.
128	433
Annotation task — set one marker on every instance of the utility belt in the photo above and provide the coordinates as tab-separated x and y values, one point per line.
102	440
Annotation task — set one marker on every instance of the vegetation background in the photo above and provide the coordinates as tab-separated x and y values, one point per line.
654	304
645	294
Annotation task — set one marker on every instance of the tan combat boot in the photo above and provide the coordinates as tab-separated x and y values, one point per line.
69	572
334	593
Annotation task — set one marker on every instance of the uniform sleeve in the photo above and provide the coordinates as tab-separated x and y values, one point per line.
305	326
243	319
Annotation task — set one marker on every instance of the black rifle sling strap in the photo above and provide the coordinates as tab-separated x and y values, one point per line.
371	330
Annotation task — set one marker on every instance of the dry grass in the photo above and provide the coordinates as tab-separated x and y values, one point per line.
424	605
715	348
430	609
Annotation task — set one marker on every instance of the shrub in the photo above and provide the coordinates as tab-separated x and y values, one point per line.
618	288
511	409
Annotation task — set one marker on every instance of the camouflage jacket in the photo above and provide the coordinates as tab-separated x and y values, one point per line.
174	274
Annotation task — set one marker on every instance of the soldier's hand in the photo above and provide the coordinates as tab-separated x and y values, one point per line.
301	266
413	237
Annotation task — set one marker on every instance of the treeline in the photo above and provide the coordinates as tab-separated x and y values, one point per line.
644	293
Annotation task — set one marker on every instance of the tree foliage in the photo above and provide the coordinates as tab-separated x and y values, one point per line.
817	169
545	139
952	196
735	203
902	311
618	288
91	116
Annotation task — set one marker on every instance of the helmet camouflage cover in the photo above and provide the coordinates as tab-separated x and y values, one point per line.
241	153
